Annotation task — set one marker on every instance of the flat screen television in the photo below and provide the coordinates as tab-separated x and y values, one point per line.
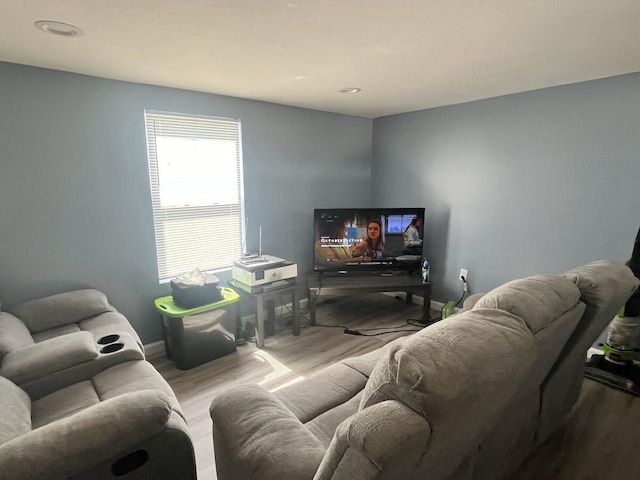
366	239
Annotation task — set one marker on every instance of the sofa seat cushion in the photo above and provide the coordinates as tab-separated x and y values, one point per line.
330	387
61	309
120	379
56	332
604	282
63	403
131	377
14	334
104	324
367	362
538	300
256	436
15	419
324	426
458	373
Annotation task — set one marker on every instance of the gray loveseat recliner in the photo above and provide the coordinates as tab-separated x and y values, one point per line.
79	399
44	318
466	398
124	422
52	342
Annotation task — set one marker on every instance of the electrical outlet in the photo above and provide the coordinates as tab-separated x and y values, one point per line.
463	275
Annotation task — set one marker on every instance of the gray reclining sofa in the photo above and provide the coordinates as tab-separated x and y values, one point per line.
469	397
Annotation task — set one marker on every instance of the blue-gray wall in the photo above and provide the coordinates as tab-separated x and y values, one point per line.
75	208
531	183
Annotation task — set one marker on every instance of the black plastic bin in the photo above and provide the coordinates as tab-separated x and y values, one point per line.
198	335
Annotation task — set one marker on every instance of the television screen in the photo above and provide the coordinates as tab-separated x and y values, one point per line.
367	238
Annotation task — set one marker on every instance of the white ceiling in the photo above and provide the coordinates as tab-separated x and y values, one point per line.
406	55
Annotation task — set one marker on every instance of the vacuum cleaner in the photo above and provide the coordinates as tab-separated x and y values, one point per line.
619	366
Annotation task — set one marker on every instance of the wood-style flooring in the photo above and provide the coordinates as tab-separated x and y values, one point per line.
600	440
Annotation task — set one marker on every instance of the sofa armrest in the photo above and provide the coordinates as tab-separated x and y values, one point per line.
44	358
256	437
14	334
386	439
70	446
81	361
471	300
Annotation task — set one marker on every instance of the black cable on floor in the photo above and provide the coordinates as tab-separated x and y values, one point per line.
331	326
356	332
419	323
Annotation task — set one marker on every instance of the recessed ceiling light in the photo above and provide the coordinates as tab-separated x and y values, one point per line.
350	90
58	28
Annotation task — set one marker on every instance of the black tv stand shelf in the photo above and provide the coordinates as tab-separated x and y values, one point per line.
322	282
361	273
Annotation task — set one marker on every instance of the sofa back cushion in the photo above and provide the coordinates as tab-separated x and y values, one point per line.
61	309
551	308
604	286
604	282
460	370
14	335
16	411
459	374
538	300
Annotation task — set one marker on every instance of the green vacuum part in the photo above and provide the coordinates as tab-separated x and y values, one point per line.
623	376
448	309
617	367
618	355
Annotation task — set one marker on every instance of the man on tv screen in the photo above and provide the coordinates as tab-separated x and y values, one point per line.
411	236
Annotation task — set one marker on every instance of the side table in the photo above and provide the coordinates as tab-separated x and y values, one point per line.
266	299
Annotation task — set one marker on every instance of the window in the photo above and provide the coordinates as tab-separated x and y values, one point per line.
398	223
195	171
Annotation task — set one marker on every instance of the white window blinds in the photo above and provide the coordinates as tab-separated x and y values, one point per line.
195	171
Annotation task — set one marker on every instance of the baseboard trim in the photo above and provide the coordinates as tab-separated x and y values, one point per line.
158	348
155	348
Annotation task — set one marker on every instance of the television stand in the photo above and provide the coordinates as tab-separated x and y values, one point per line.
401	282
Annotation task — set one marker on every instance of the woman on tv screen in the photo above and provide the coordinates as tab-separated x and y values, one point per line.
371	247
366	238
